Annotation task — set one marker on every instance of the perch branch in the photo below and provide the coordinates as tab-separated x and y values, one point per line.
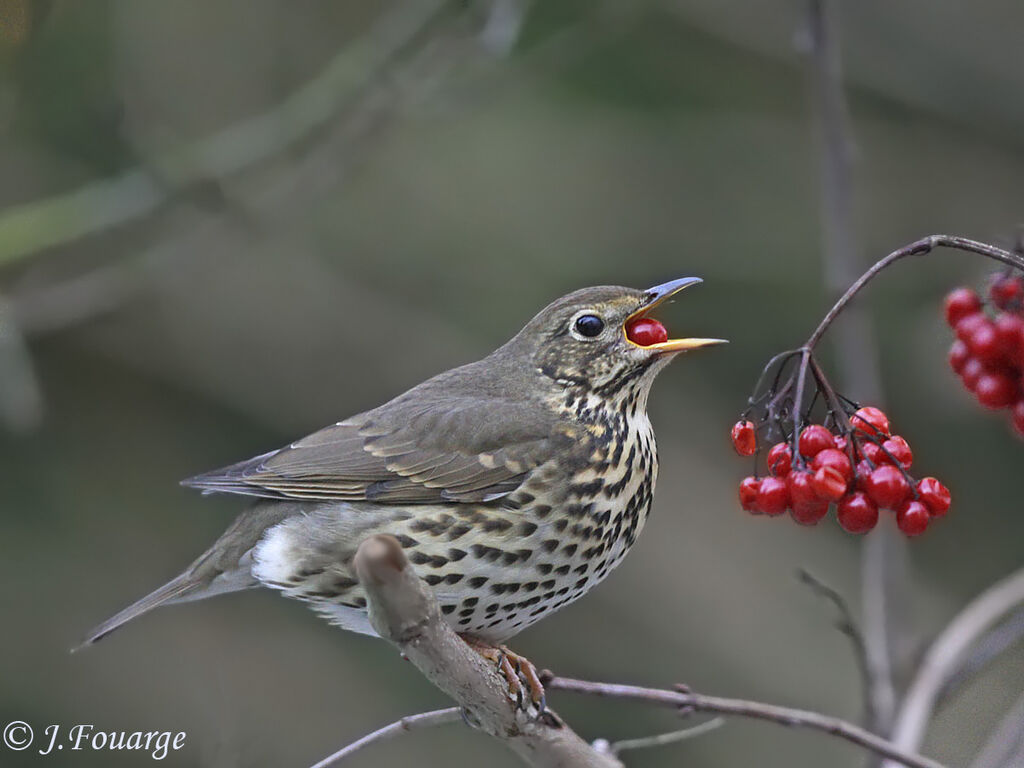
403	611
695	702
948	652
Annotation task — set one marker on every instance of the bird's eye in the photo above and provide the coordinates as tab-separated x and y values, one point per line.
589	325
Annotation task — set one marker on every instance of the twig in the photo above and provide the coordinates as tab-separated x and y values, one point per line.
409	723
403	611
658	740
25	229
1005	745
787	716
947	653
845	623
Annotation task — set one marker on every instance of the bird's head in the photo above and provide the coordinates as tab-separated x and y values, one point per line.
598	337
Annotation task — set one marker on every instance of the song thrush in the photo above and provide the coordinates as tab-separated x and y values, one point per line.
515	484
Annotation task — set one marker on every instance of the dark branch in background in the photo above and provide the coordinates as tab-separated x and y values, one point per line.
883	556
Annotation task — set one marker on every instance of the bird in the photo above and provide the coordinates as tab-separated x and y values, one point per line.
514	484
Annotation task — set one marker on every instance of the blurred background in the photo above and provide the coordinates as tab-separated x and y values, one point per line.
226	224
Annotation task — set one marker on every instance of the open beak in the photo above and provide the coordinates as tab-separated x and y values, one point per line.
658	295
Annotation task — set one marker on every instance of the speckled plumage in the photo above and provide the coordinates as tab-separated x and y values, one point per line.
515	484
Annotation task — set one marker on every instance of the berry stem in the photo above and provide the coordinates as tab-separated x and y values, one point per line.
917	248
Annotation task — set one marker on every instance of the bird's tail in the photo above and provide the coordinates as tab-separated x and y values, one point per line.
224	567
176	590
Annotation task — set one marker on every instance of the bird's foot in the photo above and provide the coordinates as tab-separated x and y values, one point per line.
524	685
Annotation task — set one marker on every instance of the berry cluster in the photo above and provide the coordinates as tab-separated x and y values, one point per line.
861	470
988	353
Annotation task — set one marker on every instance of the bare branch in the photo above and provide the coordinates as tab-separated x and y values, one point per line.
795	718
403	611
845	623
658	740
409	723
947	654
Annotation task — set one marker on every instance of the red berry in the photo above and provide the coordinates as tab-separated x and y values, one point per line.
841	443
887	486
871	421
829	483
912	518
833	457
984	343
1010	333
968	324
960	303
780	459
857	513
873	452
807	508
744	439
972	371
646	331
1017	417
773	498
958	355
1006	290
864	470
815	439
996	390
935	496
749	489
810	513
899	450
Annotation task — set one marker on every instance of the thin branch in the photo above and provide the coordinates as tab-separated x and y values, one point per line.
31	227
403	611
409	723
795	718
845	623
947	654
658	740
917	248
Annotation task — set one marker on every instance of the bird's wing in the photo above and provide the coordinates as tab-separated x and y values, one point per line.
455	450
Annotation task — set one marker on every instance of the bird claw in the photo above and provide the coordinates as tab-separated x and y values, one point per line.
524	685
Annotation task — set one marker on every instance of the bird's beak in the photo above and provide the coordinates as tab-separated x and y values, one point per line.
658	295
